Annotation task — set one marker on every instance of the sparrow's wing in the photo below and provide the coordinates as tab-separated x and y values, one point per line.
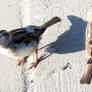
22	35
26	35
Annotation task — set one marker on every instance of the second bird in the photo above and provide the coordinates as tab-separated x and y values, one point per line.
86	78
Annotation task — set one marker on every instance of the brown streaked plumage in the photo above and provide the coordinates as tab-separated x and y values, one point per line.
86	78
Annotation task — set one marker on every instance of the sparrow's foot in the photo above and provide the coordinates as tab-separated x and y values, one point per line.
34	64
21	61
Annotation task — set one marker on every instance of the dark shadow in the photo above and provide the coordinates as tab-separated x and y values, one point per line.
72	40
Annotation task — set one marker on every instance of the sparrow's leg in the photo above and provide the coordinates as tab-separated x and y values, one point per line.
34	64
21	61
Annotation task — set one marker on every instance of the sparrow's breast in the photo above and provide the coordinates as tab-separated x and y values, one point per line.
20	50
23	49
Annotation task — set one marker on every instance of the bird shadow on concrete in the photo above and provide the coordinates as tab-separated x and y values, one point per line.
73	40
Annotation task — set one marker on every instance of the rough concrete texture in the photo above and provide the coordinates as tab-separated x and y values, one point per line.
62	43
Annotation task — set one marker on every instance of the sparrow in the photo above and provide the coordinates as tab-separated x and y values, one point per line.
22	42
86	78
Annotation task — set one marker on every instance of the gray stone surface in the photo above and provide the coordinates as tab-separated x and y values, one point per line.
61	44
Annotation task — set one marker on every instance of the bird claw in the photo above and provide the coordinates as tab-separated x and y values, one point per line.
34	64
21	61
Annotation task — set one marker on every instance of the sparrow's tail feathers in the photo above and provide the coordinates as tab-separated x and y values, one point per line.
41	29
51	22
86	78
89	14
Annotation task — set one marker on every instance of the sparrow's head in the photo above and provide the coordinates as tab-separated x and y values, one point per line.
4	38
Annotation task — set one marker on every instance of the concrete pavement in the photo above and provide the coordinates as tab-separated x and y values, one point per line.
62	43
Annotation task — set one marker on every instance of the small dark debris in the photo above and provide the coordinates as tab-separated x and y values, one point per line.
31	81
66	66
